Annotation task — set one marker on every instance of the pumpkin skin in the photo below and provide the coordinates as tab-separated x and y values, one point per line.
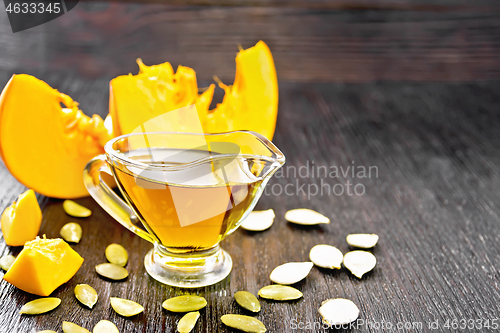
44	146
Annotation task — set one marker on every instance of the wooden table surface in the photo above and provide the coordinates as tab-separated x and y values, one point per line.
358	89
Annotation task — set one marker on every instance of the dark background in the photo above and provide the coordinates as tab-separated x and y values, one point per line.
410	87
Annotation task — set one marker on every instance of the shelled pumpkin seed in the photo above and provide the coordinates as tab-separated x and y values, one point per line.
258	220
125	307
363	241
86	295
116	254
111	271
71	232
105	326
41	305
359	262
278	292
326	256
69	327
291	272
185	303
7	261
187	322
243	323
305	216
338	311
73	209
247	301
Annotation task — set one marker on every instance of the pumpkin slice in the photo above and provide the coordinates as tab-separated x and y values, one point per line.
251	103
44	145
43	265
21	220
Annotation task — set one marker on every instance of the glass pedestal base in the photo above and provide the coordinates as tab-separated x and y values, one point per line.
192	270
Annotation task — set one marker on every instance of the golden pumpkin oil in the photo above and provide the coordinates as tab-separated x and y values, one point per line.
190	207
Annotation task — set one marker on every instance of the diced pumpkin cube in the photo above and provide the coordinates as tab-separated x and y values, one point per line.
21	220
43	265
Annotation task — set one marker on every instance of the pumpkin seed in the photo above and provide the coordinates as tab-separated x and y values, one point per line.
40	305
363	241
73	209
185	303
243	323
116	254
291	272
86	295
105	326
305	216
278	292
7	261
187	323
69	327
247	301
71	232
258	220
46	331
359	262
125	307
326	256
338	311
111	271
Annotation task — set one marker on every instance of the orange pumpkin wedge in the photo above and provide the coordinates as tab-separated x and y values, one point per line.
21	220
43	265
45	146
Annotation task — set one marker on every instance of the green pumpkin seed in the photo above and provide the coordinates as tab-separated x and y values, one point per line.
185	303
105	326
71	232
111	271
359	262
86	295
40	305
73	209
243	323
7	261
69	327
247	301
187	323
280	293
116	254
125	307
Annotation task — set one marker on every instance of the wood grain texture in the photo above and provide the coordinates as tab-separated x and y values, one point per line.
433	204
308	45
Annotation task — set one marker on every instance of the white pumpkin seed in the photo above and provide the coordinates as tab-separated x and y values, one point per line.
185	303
243	323
69	327
73	209
187	322
338	311
71	232
116	254
247	301
291	272
305	216
326	256
359	262
46	331
105	326
125	307
363	241
7	261
111	271
40	305
278	292
258	220
86	295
